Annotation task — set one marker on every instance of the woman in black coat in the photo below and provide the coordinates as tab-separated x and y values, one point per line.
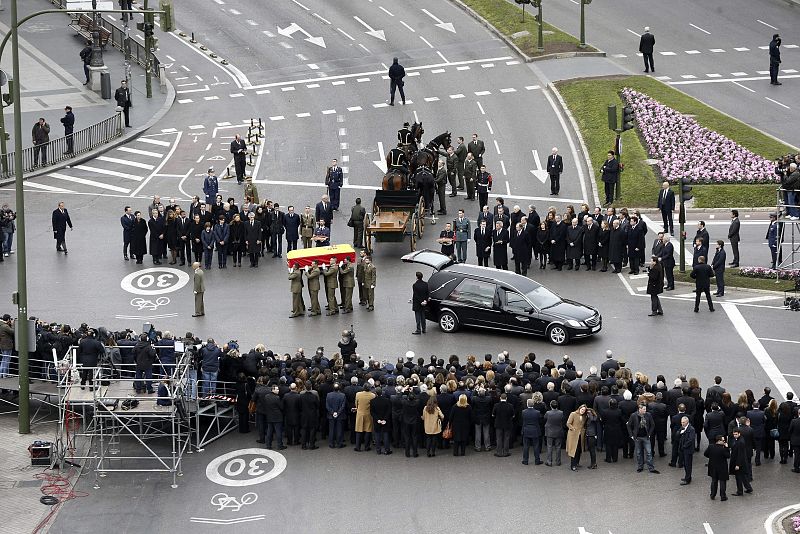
244	392
616	247
157	230
558	242
461	423
718	454
446	401
574	245
309	416
172	236
139	238
612	430
238	246
603	241
542	244
195	231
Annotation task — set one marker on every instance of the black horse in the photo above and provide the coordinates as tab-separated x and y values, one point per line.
428	156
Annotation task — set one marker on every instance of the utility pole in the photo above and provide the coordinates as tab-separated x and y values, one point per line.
540	36
685	194
22	271
97	52
149	19
584	3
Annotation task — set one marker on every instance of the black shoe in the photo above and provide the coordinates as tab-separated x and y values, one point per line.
639	470
657	472
723	498
684	482
416	332
260	441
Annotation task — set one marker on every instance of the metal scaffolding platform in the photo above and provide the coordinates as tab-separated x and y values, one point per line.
788	233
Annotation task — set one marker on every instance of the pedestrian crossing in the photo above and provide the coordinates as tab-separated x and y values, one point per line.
119	171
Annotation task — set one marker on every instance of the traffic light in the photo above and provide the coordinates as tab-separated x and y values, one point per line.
148	29
612	117
627	118
686	191
8	95
523	1
168	18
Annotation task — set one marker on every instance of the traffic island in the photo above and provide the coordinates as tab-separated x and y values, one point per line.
587	101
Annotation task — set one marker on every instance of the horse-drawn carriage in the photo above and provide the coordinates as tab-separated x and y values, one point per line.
399	208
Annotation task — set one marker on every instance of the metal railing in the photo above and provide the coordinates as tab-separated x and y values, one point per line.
64	148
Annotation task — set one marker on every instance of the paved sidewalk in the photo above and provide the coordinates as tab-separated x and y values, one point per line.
19	490
51	74
553	70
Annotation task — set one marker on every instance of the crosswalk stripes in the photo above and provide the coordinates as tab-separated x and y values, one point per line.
118	171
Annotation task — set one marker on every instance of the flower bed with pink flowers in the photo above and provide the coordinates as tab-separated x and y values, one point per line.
764	272
686	149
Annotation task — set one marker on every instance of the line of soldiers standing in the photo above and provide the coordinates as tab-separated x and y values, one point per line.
340	276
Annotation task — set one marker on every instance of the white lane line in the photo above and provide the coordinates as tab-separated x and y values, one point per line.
415	73
787	71
692	52
438	71
508	90
487	65
626	284
426	41
633	32
354	108
756	299
140	152
738	74
755	346
251	22
765	24
714	75
380	105
289	88
268	33
277	118
345	34
741	49
169	130
320	17
776	102
489	126
707	528
699	28
301	115
312	85
126	162
688	76
431	99
463	67
791	46
312	66
328	111
153	141
573	149
196	127
234	12
416	117
442	56
92	183
512	62
262	92
748	79
497	147
619	56
365	48
109	172
716	50
338	82
301	57
532	87
386	11
301	5
508	188
668	53
743	86
503	167
362	80
210	98
459	95
408	27
220	2
480	107
44	187
482	93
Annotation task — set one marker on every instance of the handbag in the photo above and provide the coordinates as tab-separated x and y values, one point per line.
774	433
251	406
448	432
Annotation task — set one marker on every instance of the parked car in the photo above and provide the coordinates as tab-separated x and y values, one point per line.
469	295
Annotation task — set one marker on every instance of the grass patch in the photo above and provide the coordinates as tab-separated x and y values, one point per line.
588	102
732	279
507	18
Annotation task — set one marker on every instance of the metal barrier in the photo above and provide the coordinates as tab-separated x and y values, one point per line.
64	148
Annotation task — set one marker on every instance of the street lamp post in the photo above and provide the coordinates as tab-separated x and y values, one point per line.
97	52
540	40
582	44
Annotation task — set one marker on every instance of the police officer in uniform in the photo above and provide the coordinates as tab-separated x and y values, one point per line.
312	273
484	185
404	135
397	159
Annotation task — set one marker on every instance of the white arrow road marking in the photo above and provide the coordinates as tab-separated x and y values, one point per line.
443	25
539	172
294	27
370	31
381	163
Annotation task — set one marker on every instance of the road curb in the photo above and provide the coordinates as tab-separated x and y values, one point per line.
508	41
127	137
774	523
737	288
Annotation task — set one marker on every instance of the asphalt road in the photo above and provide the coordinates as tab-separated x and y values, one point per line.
310	117
715	51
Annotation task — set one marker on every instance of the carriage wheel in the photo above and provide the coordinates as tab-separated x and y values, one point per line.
414	231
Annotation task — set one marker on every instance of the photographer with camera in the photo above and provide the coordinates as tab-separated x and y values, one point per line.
7	229
6	343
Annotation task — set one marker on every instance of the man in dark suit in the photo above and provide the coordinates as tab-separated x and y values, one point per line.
667	259
184	227
123	98
772	239
68	120
239	151
324	211
702	233
646	44
555	166
276	230
419	299
127	231
291	221
609	176
698	250
718	266
521	248
334	180
60	221
733	237
636	243
476	148
483	244
500	246
666	204
738	465
702	274
686	440
531	433
252	238
718	454
503	416
381	410
485	215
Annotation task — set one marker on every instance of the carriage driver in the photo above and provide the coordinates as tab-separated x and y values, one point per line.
397	159
404	135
